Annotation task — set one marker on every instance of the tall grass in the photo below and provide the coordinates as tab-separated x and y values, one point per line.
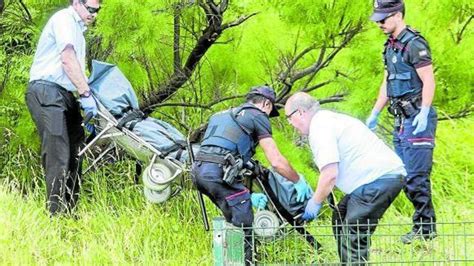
115	225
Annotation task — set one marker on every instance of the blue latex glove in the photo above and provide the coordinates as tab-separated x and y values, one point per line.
89	105
259	200
90	128
312	210
421	120
371	121
303	191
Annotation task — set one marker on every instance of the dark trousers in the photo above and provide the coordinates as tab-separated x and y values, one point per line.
57	116
416	152
232	200
357	215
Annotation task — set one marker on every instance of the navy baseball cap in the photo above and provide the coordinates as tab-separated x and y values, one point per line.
267	92
385	8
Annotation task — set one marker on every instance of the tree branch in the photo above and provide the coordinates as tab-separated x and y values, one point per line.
332	99
460	114
7	75
239	21
288	77
209	36
284	75
317	86
176	38
197	105
312	69
461	32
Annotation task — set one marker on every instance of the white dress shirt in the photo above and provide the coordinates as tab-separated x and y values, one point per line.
64	28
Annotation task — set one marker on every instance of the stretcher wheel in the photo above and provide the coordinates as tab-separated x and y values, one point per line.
155	196
266	223
156	176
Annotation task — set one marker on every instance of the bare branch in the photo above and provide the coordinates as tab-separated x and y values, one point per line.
332	99
173	118
317	86
459	35
312	69
176	39
225	99
207	11
206	39
213	6
460	114
239	21
197	105
225	42
223	6
323	61
284	75
3	85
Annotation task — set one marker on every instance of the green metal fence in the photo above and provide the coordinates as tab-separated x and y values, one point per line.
454	245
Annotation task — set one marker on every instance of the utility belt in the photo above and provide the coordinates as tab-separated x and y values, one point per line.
405	106
230	165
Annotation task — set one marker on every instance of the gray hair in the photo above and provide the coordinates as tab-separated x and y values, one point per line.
304	101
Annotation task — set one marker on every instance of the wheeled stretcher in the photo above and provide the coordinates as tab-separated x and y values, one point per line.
160	147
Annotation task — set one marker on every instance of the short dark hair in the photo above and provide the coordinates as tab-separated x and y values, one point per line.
403	11
255	98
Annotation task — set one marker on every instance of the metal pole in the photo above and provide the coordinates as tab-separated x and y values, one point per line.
202	205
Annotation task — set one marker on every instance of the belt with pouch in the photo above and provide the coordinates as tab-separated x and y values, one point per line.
230	165
405	106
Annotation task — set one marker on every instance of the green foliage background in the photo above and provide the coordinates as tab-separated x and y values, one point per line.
116	225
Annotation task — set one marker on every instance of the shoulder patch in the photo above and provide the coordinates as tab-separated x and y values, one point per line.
423	53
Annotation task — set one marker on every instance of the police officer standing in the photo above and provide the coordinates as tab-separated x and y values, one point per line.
57	79
409	87
228	144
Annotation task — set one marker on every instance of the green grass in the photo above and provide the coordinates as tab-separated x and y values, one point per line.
115	225
110	227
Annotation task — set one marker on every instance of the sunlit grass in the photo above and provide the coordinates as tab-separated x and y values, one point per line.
115	225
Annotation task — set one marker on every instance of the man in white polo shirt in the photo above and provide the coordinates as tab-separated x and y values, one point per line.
354	159
57	77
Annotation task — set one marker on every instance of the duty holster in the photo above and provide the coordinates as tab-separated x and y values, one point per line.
232	168
405	106
230	165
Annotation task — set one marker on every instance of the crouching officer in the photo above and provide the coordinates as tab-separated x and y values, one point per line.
409	86
228	143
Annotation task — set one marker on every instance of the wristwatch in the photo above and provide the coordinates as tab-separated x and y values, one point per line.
85	94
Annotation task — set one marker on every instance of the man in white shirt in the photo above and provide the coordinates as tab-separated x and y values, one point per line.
56	76
354	159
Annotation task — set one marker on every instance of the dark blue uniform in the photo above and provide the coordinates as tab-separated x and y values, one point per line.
402	56
235	131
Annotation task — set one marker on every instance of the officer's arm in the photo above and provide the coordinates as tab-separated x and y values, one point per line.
382	98
73	70
326	182
427	77
276	159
